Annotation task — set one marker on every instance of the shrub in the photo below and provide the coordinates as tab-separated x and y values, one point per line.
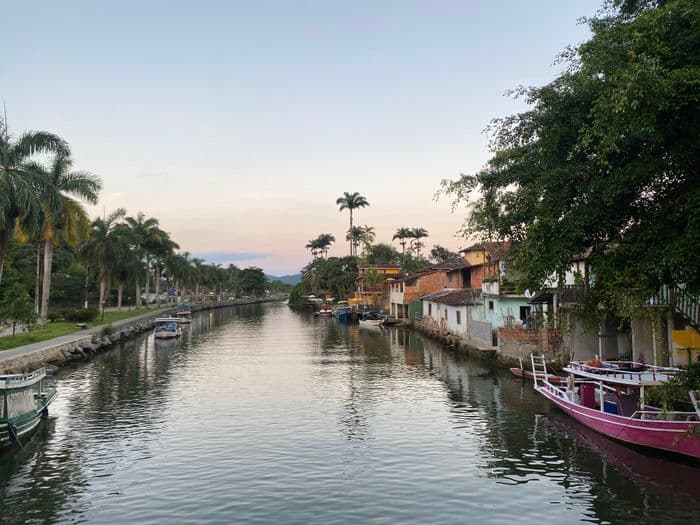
80	316
107	330
54	316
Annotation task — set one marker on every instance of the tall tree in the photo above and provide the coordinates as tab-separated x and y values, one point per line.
351	201
64	217
606	158
354	236
324	243
21	183
416	234
144	231
367	238
102	248
402	234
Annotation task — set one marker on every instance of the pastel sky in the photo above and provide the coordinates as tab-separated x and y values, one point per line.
238	124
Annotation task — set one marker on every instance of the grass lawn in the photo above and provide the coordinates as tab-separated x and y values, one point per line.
59	328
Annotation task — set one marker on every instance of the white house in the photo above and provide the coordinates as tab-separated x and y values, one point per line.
451	311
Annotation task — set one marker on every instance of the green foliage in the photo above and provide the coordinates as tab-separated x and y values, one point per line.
16	305
107	330
440	254
335	274
605	159
673	395
252	281
381	255
80	316
413	264
54	316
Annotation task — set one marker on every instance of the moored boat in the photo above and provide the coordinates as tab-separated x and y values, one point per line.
371	319
25	402
166	328
323	312
342	311
608	397
184	317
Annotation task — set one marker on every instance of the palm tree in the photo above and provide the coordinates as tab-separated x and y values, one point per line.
161	246
402	234
143	232
21	184
324	242
198	274
351	201
416	235
368	237
354	235
65	219
313	246
126	264
103	247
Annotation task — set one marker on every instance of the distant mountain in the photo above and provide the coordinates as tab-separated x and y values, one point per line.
286	279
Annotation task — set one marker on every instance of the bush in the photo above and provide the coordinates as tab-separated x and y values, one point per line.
54	316
80	316
107	330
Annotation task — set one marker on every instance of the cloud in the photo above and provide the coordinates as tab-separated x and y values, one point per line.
230	257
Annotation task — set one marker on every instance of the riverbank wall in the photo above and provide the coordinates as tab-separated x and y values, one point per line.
514	348
85	344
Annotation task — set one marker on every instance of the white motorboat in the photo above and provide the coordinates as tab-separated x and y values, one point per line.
166	328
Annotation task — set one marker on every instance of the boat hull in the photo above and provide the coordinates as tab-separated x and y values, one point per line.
679	437
25	425
371	322
166	335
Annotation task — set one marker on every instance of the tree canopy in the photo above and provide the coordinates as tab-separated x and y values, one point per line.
605	161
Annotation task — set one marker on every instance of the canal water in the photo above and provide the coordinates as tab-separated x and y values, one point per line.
260	414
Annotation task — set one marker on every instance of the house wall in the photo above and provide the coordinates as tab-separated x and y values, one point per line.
579	343
445	317
650	342
503	306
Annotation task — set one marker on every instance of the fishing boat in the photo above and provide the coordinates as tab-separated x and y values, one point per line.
166	328
25	402
608	397
371	319
342	311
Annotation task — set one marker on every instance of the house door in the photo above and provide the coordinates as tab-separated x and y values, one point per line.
524	313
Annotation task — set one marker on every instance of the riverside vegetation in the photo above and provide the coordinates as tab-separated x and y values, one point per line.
52	256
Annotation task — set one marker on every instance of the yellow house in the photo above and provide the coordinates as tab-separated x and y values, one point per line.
686	345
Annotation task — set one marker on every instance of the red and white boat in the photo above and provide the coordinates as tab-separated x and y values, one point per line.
608	397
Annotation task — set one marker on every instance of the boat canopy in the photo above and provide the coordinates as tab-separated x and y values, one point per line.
13	381
627	373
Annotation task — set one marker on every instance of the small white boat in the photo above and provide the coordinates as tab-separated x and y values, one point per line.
371	319
166	328
184	317
323	312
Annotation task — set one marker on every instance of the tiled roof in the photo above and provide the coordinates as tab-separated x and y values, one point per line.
456	264
495	250
455	297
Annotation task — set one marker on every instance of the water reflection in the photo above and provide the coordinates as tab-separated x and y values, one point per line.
261	414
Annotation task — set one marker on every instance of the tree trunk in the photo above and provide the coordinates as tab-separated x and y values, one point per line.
37	279
352	240
103	290
120	292
196	292
138	291
46	286
157	277
14	326
147	284
177	291
5	236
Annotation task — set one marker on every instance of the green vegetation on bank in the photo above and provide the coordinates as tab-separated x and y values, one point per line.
52	256
48	331
604	163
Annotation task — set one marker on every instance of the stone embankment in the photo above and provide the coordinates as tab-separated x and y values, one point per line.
85	344
455	342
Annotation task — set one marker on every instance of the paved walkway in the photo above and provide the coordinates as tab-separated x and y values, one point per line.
21	351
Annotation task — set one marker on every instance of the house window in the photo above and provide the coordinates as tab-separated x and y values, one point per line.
491	306
459	317
430	309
